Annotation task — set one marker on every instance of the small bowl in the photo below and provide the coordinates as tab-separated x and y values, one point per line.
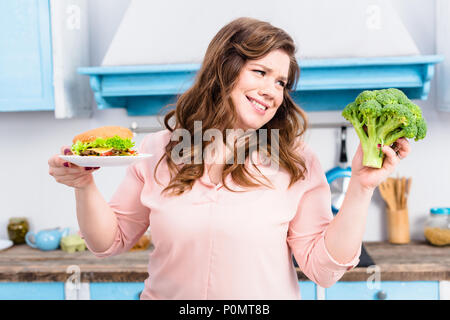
5	244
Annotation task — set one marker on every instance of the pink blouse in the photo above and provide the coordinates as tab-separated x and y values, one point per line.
210	243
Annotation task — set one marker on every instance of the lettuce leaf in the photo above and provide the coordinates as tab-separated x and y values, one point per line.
115	142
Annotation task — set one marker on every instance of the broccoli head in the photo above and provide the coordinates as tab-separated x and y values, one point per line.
380	117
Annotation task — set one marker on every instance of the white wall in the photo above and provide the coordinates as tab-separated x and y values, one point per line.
195	23
30	138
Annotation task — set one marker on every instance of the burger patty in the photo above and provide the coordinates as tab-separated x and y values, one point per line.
90	152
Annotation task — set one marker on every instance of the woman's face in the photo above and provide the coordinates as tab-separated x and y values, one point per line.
259	89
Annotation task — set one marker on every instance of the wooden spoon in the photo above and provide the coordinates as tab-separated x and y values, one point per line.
402	192
407	189
398	192
387	191
393	186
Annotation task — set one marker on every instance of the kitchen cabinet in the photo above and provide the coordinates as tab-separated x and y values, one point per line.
307	290
56	291
42	44
26	56
32	291
342	290
115	290
388	290
97	290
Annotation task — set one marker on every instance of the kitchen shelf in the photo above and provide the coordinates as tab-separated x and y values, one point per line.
417	261
324	84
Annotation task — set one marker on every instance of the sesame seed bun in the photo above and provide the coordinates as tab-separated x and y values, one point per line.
103	132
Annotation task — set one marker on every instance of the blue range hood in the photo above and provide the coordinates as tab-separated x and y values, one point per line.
325	84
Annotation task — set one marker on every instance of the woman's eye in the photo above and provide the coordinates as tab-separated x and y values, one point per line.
261	72
282	83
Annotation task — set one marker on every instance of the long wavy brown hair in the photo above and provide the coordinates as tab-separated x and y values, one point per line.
209	101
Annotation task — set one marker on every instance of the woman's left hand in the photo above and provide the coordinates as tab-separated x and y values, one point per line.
370	178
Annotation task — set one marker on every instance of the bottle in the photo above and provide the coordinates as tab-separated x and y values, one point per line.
17	229
437	227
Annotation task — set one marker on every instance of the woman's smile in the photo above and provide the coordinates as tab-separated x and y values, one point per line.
258	106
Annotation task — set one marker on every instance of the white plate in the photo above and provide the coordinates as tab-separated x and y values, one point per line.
5	244
106	161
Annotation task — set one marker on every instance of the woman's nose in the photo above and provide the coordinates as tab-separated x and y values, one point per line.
267	89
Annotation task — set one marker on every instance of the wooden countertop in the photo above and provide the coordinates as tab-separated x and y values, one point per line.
416	261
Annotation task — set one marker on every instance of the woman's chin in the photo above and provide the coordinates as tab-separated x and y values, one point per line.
249	125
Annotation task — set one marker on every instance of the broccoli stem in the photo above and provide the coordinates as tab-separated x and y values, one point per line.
393	137
373	156
387	128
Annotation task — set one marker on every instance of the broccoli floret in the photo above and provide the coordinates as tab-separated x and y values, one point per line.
380	117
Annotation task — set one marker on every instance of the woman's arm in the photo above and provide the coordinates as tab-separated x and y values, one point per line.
344	235
96	219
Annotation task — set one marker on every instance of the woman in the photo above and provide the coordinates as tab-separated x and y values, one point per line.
223	229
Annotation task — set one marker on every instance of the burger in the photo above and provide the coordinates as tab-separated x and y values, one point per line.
104	141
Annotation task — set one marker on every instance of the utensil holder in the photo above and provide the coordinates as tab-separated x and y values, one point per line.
398	226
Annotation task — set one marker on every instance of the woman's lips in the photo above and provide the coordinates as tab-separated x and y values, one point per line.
260	111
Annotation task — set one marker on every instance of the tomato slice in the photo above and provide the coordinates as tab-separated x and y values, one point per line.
109	153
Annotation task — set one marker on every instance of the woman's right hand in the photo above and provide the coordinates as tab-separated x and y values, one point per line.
68	173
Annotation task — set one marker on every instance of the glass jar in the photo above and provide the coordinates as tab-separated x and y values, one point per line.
437	227
17	229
